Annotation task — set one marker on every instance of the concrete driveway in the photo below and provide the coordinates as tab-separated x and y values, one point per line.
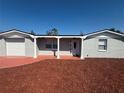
6	62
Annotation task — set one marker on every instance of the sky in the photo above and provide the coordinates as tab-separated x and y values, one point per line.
68	16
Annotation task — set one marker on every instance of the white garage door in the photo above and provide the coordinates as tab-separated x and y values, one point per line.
15	46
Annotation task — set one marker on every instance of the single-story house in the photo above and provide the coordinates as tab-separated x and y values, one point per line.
101	44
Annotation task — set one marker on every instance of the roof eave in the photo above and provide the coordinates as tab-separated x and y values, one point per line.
15	30
103	32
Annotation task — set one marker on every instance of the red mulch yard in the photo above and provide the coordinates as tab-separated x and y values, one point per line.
65	76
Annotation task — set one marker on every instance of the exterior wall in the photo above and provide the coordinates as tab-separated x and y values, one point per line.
2	47
47	52
37	48
115	47
29	47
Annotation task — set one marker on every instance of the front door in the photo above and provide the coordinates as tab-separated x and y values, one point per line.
75	47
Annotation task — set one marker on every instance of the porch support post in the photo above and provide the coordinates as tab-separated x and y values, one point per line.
58	47
35	48
82	48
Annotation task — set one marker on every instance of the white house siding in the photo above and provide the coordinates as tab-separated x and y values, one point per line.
29	47
115	47
37	50
2	47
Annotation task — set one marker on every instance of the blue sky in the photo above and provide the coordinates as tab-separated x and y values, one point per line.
68	16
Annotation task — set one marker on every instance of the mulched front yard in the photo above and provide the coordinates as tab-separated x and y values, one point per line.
65	76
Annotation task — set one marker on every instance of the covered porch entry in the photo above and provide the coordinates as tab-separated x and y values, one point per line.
60	46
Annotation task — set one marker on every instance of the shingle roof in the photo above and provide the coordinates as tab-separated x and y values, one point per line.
119	32
105	30
15	30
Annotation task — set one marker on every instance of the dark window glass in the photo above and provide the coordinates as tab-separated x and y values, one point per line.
48	46
102	44
55	46
102	47
75	45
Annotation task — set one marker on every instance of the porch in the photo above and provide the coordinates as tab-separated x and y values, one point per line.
59	46
44	57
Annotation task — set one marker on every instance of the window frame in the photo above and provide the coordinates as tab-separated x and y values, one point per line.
75	45
104	45
52	44
54	47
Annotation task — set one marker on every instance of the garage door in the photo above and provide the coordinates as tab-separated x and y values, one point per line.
15	46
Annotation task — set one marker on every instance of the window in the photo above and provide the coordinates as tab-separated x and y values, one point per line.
51	46
75	45
48	46
54	46
102	44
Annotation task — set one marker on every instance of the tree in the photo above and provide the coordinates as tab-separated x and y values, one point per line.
81	33
116	30
53	32
112	29
32	32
